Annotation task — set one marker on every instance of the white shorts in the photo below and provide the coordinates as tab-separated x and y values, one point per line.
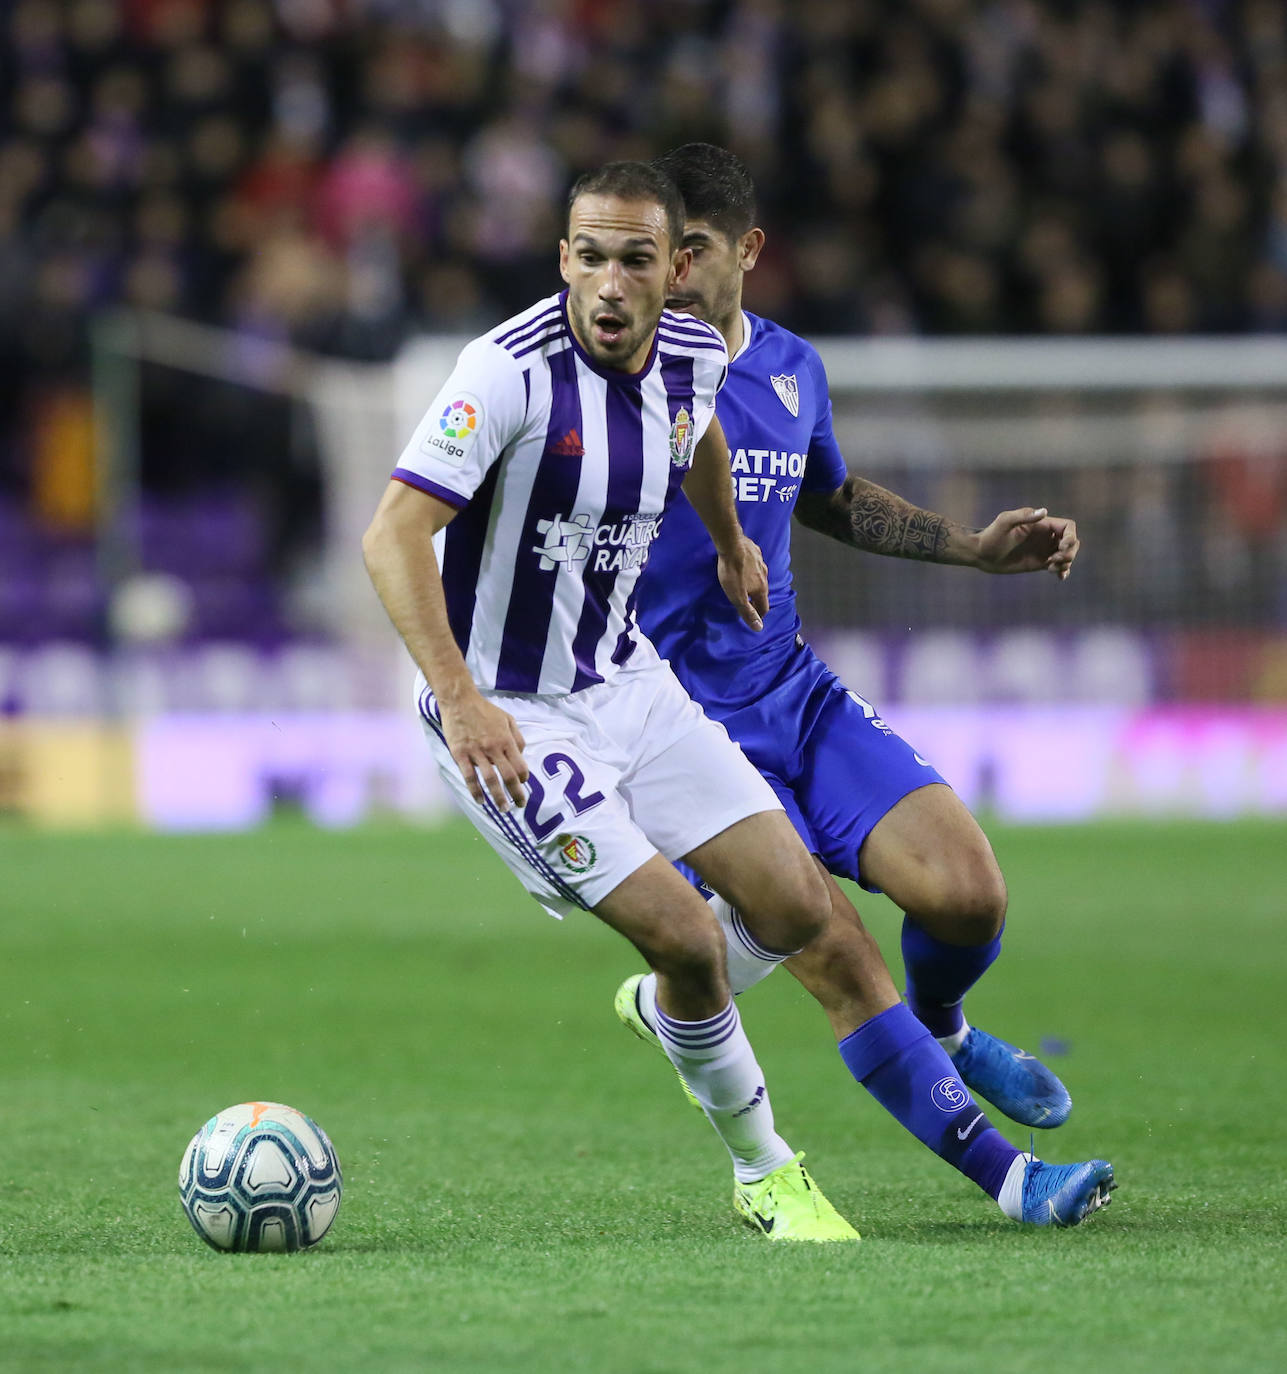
619	772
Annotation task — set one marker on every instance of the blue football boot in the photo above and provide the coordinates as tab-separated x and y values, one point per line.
1014	1081
1065	1194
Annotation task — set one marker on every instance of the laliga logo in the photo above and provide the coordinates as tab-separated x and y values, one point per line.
458	428
459	420
949	1095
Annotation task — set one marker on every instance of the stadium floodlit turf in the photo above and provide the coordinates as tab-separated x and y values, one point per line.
526	1189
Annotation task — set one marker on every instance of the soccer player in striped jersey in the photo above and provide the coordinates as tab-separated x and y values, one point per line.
867	805
506	550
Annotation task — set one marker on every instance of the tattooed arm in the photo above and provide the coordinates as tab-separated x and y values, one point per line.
866	516
869	517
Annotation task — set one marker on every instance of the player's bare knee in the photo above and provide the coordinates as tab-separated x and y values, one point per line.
984	900
814	910
974	902
958	896
793	912
689	952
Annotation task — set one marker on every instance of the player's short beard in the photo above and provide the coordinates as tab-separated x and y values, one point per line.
625	348
717	309
725	305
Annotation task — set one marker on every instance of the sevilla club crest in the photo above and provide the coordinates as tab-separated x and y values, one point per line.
788	392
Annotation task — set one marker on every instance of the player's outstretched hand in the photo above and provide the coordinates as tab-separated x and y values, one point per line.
488	748
1028	540
745	579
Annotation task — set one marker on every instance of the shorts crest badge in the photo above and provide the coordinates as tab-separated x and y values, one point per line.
577	852
681	439
788	391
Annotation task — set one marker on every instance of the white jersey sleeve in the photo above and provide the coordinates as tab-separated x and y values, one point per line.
708	377
479	412
707	354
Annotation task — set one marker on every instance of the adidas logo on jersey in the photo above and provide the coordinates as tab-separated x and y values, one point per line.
569	446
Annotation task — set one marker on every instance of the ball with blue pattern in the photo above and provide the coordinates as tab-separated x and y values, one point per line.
260	1176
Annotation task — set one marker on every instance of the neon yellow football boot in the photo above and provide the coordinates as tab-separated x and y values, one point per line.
626	1005
788	1205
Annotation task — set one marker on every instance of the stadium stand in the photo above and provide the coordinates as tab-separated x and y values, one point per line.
341	175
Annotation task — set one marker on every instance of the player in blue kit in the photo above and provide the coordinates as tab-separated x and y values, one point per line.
867	805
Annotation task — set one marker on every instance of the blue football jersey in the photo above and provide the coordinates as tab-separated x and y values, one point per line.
775	409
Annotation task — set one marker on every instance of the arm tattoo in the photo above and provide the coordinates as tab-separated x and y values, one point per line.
869	517
885	523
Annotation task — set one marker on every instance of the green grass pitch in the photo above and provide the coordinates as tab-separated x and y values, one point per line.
525	1189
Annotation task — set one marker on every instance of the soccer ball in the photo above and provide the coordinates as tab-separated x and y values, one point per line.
260	1176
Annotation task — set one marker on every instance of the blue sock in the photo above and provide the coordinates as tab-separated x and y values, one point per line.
905	1069
939	975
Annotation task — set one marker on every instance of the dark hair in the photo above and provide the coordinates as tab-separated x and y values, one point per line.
635	181
715	185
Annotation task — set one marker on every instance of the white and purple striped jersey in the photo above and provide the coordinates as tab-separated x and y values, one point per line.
561	471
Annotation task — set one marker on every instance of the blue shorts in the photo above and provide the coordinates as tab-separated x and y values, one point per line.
835	765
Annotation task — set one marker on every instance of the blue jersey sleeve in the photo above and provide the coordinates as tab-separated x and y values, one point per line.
825	467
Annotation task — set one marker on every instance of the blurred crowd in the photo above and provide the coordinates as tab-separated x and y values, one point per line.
338	173
341	170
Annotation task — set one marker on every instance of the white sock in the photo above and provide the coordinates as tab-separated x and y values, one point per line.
749	962
719	1065
1010	1198
952	1043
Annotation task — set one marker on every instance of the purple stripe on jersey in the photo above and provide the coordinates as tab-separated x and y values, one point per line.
689	330
511	336
677	375
414	479
549	330
690	327
687	324
624	407
531	602
679	341
543	342
462	559
626	643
